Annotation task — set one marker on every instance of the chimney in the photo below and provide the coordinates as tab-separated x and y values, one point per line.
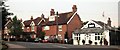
31	17
74	8
42	16
52	12
21	20
109	22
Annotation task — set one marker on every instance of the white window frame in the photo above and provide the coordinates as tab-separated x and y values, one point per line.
52	18
27	29
46	27
60	27
100	36
32	27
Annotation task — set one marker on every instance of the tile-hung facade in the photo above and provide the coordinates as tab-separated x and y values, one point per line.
62	23
94	33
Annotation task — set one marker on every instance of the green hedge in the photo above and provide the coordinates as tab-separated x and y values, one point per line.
4	45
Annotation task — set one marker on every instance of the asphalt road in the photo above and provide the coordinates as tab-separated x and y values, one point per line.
56	46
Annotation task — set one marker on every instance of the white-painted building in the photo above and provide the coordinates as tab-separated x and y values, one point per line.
94	32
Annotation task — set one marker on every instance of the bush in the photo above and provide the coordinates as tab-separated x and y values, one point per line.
4	45
95	43
83	41
90	42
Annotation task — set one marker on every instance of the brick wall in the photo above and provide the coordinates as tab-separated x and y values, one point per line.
74	23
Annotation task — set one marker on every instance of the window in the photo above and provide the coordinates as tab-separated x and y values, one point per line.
46	28
91	25
52	18
95	37
27	29
98	36
32	27
60	27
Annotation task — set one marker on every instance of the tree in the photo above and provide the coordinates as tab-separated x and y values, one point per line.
16	29
5	13
42	35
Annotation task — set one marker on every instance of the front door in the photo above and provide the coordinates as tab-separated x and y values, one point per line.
87	38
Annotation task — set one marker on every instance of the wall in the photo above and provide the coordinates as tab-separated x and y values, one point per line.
74	23
52	31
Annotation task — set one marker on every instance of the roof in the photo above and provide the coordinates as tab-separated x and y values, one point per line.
89	30
93	30
102	24
62	19
36	21
9	23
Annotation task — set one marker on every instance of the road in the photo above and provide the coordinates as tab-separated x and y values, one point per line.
36	46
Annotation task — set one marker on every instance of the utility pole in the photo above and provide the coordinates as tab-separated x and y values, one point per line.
57	24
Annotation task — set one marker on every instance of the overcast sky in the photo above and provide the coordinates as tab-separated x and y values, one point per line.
87	10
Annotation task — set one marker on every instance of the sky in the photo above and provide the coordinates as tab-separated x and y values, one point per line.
87	10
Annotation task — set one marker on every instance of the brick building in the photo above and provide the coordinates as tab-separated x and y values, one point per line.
33	26
62	23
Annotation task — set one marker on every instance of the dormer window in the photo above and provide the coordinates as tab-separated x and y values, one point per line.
52	18
91	25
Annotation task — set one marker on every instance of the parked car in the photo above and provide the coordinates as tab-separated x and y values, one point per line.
45	41
37	40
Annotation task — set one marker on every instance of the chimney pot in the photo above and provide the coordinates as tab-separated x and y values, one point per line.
109	22
42	15
31	17
74	8
52	12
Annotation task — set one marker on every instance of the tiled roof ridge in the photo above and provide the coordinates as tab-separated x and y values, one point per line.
66	12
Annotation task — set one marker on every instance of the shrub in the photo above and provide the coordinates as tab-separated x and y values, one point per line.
90	42
95	43
83	41
4	45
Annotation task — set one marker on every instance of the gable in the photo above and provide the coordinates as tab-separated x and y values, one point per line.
71	17
8	23
32	23
86	25
41	21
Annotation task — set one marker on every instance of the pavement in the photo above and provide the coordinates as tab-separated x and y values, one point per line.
37	46
15	46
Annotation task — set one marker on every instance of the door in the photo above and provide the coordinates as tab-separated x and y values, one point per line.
87	38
